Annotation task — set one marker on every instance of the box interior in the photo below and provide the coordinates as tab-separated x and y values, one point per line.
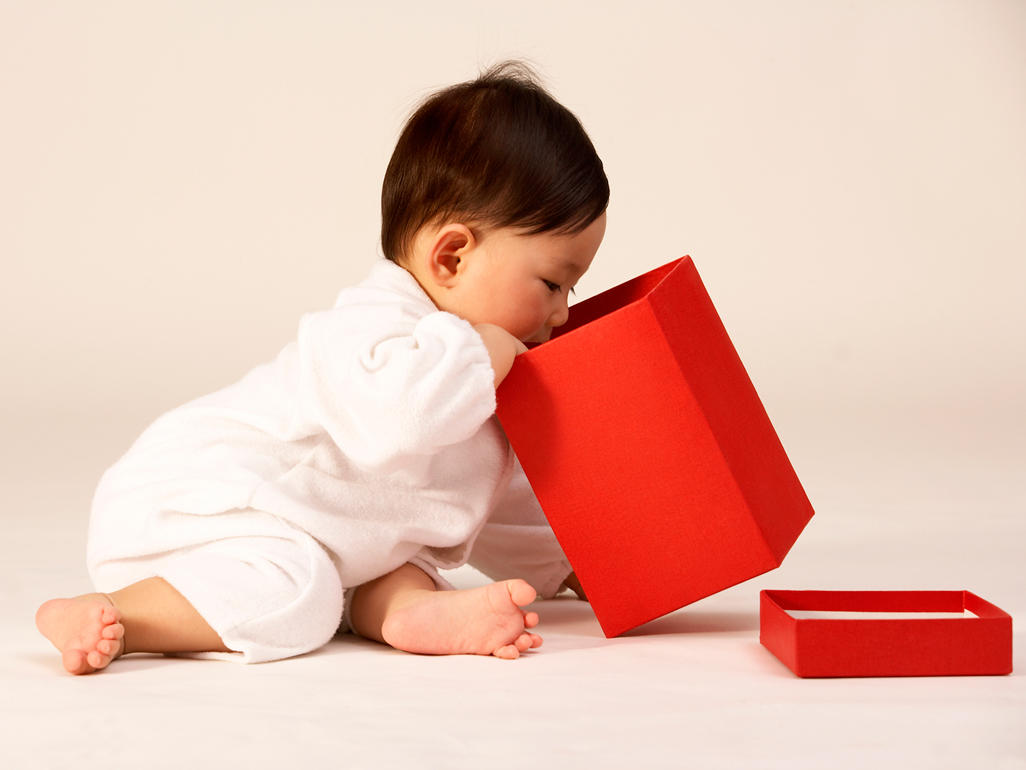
618	297
871	615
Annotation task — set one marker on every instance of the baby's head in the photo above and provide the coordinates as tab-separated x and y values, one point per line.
495	201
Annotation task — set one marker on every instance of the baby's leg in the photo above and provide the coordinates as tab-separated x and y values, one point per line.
404	610
262	590
149	616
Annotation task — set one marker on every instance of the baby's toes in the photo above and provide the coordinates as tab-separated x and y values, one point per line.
107	647
530	619
108	616
113	631
75	662
507	652
527	640
521	592
98	658
523	643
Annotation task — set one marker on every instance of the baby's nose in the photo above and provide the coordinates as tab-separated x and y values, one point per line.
560	317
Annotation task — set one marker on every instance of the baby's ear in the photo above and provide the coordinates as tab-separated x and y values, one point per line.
448	247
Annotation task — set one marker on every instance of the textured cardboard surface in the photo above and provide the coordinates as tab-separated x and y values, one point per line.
650	451
980	643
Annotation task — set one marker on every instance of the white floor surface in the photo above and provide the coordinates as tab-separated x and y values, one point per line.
898	506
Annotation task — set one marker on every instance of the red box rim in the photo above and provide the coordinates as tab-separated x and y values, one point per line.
656	276
780	601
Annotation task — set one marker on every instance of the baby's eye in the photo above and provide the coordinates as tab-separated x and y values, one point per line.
553	287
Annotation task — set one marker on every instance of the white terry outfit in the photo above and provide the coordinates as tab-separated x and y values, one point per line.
369	442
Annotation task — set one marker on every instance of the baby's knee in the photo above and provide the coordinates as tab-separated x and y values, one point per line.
267	598
267	588
300	618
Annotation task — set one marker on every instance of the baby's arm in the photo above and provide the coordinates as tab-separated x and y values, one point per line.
503	348
385	387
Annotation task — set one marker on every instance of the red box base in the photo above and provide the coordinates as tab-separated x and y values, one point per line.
649	450
827	647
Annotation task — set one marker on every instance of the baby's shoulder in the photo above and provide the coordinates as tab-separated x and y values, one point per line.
370	306
388	295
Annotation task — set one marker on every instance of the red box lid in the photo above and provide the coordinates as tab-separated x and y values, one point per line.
650	451
831	647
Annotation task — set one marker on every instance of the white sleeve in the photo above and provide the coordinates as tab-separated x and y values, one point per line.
517	541
384	388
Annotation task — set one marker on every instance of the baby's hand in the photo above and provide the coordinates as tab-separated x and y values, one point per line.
574	585
503	348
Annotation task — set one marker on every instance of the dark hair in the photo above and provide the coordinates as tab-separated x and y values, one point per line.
499	151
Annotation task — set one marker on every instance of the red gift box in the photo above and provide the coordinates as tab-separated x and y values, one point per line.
897	646
650	451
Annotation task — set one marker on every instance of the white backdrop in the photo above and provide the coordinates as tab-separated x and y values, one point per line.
180	181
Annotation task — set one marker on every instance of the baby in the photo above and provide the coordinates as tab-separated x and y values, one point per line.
328	487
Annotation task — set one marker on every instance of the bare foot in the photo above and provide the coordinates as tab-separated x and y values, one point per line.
481	621
87	630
